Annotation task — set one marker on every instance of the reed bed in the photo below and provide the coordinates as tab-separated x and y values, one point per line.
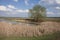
8	29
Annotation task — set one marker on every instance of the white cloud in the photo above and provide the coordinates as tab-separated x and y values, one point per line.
11	6
50	13
50	1
3	8
22	10
8	9
26	2
58	1
11	10
57	7
17	11
47	1
15	0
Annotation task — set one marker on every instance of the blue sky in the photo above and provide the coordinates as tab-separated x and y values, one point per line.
20	8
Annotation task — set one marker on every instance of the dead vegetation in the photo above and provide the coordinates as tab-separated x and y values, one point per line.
21	29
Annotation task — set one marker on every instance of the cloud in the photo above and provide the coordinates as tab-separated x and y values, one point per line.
15	0
3	8
47	1
58	1
11	6
53	6
57	7
50	1
12	10
26	2
17	11
22	10
50	13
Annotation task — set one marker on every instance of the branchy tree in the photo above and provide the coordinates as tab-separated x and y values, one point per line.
37	13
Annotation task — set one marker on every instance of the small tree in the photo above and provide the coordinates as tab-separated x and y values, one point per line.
37	13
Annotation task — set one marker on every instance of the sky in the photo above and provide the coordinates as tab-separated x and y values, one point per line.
20	8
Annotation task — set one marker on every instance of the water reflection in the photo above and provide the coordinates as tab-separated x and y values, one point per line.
21	23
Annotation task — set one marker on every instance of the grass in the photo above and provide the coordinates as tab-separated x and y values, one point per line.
54	36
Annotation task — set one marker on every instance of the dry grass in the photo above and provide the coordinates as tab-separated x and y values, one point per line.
25	30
